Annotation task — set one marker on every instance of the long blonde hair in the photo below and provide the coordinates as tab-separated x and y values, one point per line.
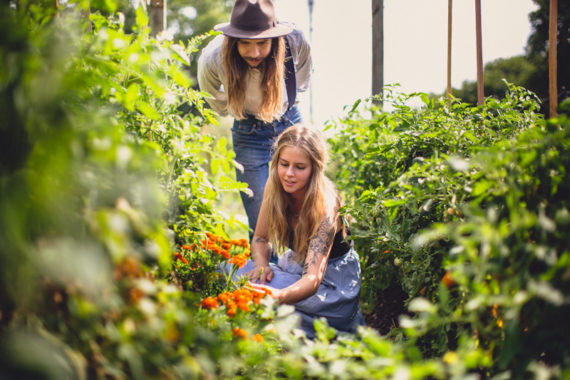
236	69
321	199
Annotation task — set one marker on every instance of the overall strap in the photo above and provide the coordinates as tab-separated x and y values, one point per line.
290	79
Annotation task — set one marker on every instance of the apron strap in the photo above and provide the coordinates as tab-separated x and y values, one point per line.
290	79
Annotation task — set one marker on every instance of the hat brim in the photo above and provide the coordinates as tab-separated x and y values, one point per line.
281	29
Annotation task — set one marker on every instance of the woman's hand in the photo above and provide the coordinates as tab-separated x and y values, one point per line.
261	273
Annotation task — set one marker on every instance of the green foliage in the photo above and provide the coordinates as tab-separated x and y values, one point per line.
520	70
510	253
395	173
103	176
485	202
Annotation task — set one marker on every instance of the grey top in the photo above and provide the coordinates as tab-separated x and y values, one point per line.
211	77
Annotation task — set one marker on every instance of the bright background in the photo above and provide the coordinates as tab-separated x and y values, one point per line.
415	45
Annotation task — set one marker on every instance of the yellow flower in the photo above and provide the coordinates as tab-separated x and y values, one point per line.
450	357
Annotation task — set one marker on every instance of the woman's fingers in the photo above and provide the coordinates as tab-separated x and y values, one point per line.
266	275
253	274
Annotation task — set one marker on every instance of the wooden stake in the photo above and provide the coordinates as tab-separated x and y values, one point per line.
449	24
378	50
157	17
480	84
552	57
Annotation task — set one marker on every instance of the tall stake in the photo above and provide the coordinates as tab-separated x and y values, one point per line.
311	5
480	84
449	19
157	16
552	57
378	49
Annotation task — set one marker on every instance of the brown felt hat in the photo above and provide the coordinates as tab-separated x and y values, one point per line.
252	19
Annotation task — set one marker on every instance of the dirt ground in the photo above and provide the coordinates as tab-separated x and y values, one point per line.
389	306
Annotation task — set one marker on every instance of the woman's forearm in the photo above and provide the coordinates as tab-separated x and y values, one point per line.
260	251
304	288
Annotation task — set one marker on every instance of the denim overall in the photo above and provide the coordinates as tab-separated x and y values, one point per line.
337	299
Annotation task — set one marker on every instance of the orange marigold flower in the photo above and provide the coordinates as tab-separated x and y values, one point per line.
258	338
224	297
226	246
244	305
243	293
494	310
188	247
180	257
239	333
210	303
224	253
240	260
231	311
387	251
195	265
448	280
212	237
135	294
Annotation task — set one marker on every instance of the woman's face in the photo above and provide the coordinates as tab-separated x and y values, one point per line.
254	51
294	169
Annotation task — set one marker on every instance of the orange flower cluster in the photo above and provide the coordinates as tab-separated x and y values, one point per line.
222	247
210	303
239	260
178	256
239	333
242	334
238	299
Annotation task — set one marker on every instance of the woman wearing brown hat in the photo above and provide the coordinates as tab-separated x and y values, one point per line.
253	72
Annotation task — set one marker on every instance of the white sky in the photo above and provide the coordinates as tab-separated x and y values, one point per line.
415	45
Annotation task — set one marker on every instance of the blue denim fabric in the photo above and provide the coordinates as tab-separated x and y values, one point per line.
252	142
337	299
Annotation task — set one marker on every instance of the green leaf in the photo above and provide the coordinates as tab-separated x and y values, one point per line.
131	96
147	110
394	202
141	18
481	187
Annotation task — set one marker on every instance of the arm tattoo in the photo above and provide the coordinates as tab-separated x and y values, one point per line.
267	252
321	243
305	268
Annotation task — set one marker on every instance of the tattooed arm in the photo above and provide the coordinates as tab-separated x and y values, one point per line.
314	267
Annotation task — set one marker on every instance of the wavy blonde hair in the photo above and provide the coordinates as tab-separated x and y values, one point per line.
236	69
321	199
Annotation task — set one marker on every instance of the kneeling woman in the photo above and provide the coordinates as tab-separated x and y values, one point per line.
318	270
